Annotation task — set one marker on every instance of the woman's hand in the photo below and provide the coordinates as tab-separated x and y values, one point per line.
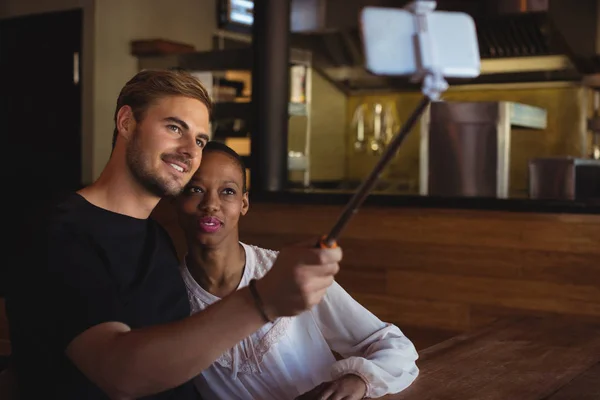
348	387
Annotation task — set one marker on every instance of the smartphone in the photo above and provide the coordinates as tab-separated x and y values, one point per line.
388	39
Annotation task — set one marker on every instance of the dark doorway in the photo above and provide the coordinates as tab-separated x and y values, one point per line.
40	115
40	96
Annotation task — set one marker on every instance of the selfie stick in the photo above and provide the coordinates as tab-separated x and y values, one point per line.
433	85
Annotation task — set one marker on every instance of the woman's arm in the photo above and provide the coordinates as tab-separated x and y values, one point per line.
378	352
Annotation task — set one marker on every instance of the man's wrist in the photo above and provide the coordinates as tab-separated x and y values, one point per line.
244	296
258	302
267	307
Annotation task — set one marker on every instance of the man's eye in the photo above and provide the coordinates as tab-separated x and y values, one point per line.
229	191
201	143
174	128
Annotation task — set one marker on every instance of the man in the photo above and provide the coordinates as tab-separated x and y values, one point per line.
99	309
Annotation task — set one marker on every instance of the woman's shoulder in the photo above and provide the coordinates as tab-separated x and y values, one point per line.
262	258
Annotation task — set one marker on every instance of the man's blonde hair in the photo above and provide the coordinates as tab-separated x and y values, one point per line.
148	86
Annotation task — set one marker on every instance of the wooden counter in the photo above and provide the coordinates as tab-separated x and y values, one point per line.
437	273
518	359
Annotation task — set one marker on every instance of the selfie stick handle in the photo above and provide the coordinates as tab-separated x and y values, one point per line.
433	85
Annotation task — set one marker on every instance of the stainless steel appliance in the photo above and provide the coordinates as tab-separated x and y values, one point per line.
465	146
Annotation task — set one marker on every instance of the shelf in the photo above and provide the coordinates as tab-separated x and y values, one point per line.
231	134
525	64
232	109
243	109
294	163
297	162
216	60
525	116
297	109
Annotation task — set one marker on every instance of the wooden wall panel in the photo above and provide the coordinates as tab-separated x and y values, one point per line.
561	267
500	230
447	271
424	257
363	280
528	295
413	312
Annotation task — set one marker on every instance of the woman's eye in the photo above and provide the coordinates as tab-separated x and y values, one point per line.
193	190
174	128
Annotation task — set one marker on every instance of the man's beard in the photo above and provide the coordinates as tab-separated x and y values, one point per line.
142	171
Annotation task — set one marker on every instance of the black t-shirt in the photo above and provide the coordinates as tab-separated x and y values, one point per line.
85	266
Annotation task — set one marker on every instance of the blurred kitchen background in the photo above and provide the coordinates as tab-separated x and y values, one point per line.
527	127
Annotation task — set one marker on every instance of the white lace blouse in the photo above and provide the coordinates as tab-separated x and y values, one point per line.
289	357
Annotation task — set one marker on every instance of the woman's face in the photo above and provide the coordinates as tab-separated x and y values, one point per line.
211	204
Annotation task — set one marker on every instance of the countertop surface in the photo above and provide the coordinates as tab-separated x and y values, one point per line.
517	359
334	197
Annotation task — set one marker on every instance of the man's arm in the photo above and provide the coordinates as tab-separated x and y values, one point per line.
129	363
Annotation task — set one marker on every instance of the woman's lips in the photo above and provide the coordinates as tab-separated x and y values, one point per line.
209	224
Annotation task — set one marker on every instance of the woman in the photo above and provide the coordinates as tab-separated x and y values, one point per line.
289	356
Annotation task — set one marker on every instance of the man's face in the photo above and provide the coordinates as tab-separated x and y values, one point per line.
166	146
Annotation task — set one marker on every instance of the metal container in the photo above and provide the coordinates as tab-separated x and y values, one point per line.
465	146
564	178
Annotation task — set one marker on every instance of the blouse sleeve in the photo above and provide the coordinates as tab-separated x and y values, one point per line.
377	352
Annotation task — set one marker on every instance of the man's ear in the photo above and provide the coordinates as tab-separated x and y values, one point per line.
125	122
245	204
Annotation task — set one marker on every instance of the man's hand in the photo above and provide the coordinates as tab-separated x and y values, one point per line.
348	387
298	280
